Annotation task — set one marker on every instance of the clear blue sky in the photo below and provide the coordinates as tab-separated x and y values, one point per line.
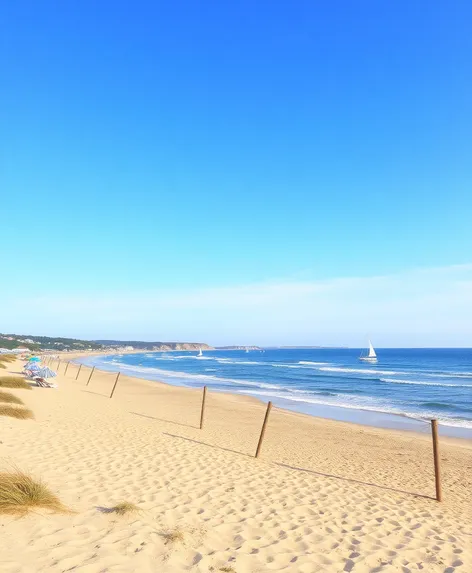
149	148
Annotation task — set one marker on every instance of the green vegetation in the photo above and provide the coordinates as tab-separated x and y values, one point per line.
36	343
157	346
59	344
20	493
15	343
14	382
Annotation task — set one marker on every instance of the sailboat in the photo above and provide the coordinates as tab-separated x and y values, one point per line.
200	353
371	356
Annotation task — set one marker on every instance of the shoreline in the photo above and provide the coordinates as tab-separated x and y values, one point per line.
321	495
375	419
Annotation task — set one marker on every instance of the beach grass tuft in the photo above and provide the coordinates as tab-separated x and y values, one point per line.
7	358
173	536
13	412
124	508
20	493
10	398
228	569
14	382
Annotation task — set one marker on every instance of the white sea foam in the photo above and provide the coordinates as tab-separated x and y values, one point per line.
428	416
298	366
237	362
323	366
380	408
157	372
447	374
358	370
419	383
321	398
335	401
190	357
249	363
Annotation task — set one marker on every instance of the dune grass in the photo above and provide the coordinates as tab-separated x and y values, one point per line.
14	382
227	569
173	536
10	399
13	412
5	359
20	493
124	508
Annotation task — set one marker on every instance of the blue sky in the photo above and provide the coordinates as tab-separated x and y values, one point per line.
195	152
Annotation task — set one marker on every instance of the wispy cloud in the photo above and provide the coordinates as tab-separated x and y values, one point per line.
415	308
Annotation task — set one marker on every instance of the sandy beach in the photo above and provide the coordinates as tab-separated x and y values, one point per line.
323	496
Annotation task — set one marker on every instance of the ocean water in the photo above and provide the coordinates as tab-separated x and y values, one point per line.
405	388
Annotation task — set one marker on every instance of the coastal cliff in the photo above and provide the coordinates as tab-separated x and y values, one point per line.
182	346
155	346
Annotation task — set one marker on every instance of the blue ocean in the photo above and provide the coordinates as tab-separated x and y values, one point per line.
405	388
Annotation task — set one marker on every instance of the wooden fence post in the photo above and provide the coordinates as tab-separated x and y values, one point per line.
437	461
114	386
58	364
67	366
202	414
90	376
261	437
80	367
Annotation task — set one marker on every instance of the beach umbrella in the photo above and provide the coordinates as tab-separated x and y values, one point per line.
33	366
34	359
46	373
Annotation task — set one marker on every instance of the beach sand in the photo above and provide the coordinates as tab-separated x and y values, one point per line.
323	496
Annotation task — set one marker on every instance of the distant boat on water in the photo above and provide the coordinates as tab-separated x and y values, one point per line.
200	353
371	356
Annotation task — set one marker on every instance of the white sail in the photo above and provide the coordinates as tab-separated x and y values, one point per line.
371	351
371	356
200	353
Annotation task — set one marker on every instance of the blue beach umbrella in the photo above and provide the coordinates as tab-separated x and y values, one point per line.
33	366
46	373
35	359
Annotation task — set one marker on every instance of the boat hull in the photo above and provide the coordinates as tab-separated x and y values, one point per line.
367	359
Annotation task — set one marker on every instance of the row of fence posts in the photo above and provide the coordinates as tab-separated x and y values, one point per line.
434	426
